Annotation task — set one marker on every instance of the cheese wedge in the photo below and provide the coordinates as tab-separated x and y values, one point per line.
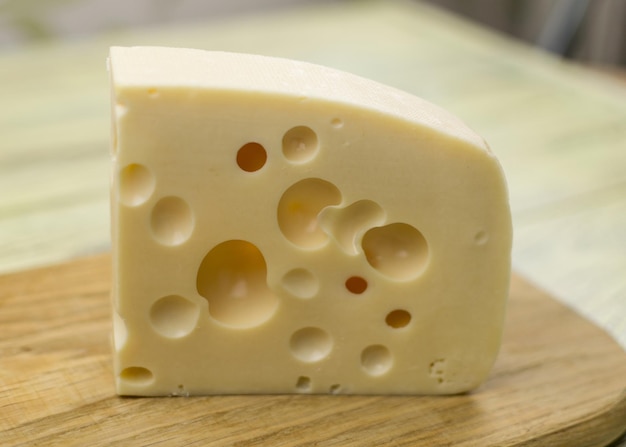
281	227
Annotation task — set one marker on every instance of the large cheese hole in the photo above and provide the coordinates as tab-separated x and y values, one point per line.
300	144
136	184
376	360
311	344
398	251
174	316
251	157
298	210
137	375
172	221
233	279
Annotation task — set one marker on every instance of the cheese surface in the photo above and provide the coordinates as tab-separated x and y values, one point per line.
281	227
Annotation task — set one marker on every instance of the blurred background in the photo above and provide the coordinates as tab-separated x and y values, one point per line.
589	31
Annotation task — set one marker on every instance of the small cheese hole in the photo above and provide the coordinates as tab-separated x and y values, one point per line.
180	391
251	157
437	370
481	238
311	344
348	224
356	285
172	221
337	123
398	251
117	114
120	110
137	375
301	283
303	384
153	92
174	316
300	144
136	184
298	211
120	333
376	360
398	318
335	389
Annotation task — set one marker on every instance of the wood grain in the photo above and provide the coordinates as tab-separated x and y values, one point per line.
558	381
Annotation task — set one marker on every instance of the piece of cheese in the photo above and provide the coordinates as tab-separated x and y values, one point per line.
281	227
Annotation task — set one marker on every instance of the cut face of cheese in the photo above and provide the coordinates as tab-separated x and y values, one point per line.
281	227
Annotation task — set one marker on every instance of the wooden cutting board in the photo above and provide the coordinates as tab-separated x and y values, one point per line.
559	381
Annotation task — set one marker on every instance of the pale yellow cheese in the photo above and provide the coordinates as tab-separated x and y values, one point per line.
281	227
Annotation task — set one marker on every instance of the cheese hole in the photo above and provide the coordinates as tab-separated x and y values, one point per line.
376	360
172	221
251	157
117	113
398	318
136	185
356	285
180	391
153	92
481	238
335	389
120	110
298	211
174	316
114	143
397	250
437	370
310	344
303	384
337	123
348	224
120	333
301	283
233	279
137	375
300	144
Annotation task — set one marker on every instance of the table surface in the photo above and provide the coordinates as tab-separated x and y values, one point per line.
558	129
56	386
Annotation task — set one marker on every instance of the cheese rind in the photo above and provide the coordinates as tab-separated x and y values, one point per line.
280	227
